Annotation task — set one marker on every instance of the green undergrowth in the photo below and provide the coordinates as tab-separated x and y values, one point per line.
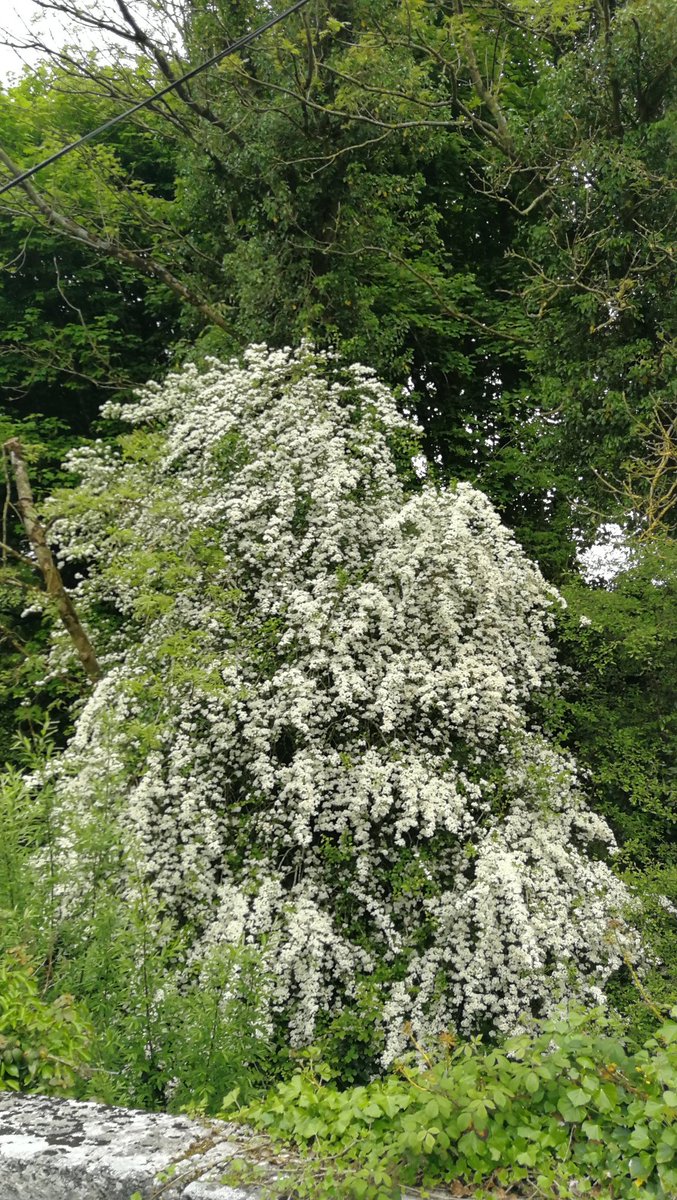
561	1111
45	1045
581	1104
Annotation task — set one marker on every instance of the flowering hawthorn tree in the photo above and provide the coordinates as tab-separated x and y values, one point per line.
313	734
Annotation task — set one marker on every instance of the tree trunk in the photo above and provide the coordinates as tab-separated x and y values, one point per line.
45	561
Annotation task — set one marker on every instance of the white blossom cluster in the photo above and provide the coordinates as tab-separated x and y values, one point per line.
314	733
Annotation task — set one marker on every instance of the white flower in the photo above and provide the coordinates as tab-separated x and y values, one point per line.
314	736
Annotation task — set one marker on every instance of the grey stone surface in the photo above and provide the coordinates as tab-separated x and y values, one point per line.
53	1149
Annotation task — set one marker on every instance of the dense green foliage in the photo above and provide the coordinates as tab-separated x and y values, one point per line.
564	1105
78	327
616	709
43	1044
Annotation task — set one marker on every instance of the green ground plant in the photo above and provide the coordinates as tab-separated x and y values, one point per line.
563	1109
168	1043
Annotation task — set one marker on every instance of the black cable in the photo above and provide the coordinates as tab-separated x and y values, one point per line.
87	137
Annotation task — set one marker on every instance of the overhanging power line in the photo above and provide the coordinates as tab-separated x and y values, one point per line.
210	62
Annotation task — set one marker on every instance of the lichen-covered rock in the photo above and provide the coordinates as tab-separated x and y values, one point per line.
53	1149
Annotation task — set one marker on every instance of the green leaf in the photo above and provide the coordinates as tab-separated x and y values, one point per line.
230	1100
373	1109
592	1130
639	1138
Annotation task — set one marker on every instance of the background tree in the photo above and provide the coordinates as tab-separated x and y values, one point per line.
77	325
433	188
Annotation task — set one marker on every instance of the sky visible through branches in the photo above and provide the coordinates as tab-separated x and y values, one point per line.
17	26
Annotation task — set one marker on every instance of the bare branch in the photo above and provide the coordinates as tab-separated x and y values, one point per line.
45	561
484	91
141	38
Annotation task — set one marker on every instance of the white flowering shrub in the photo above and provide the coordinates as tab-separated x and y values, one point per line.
314	733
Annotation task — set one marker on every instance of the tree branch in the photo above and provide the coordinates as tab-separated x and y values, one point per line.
50	572
141	38
113	249
485	92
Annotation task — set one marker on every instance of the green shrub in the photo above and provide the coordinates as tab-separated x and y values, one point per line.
657	891
565	1107
28	901
163	1034
43	1044
163	1044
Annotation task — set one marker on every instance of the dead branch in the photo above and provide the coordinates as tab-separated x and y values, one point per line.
45	561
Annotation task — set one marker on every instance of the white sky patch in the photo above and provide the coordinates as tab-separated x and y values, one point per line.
609	555
22	21
15	25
